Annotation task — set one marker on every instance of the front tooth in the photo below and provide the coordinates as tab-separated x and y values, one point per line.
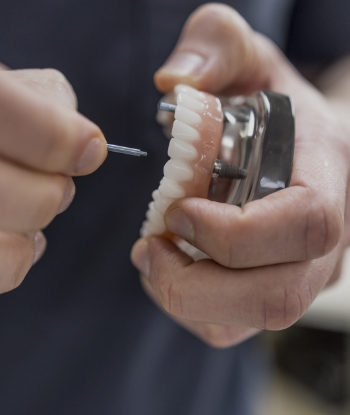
190	91
178	149
163	203
184	132
170	188
187	116
178	170
190	103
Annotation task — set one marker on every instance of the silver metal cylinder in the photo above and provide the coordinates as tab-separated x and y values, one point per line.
258	136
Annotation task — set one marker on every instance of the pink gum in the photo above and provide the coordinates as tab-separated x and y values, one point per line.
207	147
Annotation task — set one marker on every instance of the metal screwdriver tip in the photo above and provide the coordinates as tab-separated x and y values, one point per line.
126	150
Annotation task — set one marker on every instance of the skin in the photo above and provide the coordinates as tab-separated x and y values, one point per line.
42	141
271	258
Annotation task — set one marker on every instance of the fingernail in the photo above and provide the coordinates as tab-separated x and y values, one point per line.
91	156
39	246
183	64
68	196
179	223
140	257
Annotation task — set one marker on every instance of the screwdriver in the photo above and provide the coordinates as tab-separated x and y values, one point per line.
126	150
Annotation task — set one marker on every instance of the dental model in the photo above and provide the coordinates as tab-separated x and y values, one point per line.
197	133
253	136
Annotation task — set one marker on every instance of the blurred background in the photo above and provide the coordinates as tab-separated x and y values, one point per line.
312	359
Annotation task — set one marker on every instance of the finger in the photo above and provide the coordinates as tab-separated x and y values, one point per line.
217	51
17	253
271	297
296	224
48	82
40	244
30	199
37	132
214	335
337	271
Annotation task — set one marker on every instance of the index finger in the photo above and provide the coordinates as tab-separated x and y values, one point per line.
38	133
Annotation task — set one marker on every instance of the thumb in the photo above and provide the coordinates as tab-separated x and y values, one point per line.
219	52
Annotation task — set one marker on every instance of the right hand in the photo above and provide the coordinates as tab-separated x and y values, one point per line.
43	142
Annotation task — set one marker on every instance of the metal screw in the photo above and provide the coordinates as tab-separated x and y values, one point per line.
228	171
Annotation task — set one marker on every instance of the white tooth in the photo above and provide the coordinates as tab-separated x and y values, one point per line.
150	228
162	203
187	116
155	194
190	91
178	170
178	149
184	132
144	233
157	228
164	118
153	215
170	188
190	103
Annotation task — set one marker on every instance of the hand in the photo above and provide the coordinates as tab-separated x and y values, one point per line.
271	258
43	142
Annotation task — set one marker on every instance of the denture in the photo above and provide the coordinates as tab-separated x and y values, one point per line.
193	149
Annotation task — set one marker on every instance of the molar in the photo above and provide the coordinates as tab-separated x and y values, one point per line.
170	188
155	194
162	203
190	103
155	220
184	132
187	116
179	149
178	170
151	228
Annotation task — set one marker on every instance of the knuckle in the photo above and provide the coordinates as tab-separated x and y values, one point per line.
62	87
282	308
53	74
49	204
220	18
170	298
214	13
323	229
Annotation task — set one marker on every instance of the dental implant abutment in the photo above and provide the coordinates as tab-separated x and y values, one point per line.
221	168
126	150
228	171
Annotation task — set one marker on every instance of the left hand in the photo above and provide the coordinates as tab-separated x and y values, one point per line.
271	258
